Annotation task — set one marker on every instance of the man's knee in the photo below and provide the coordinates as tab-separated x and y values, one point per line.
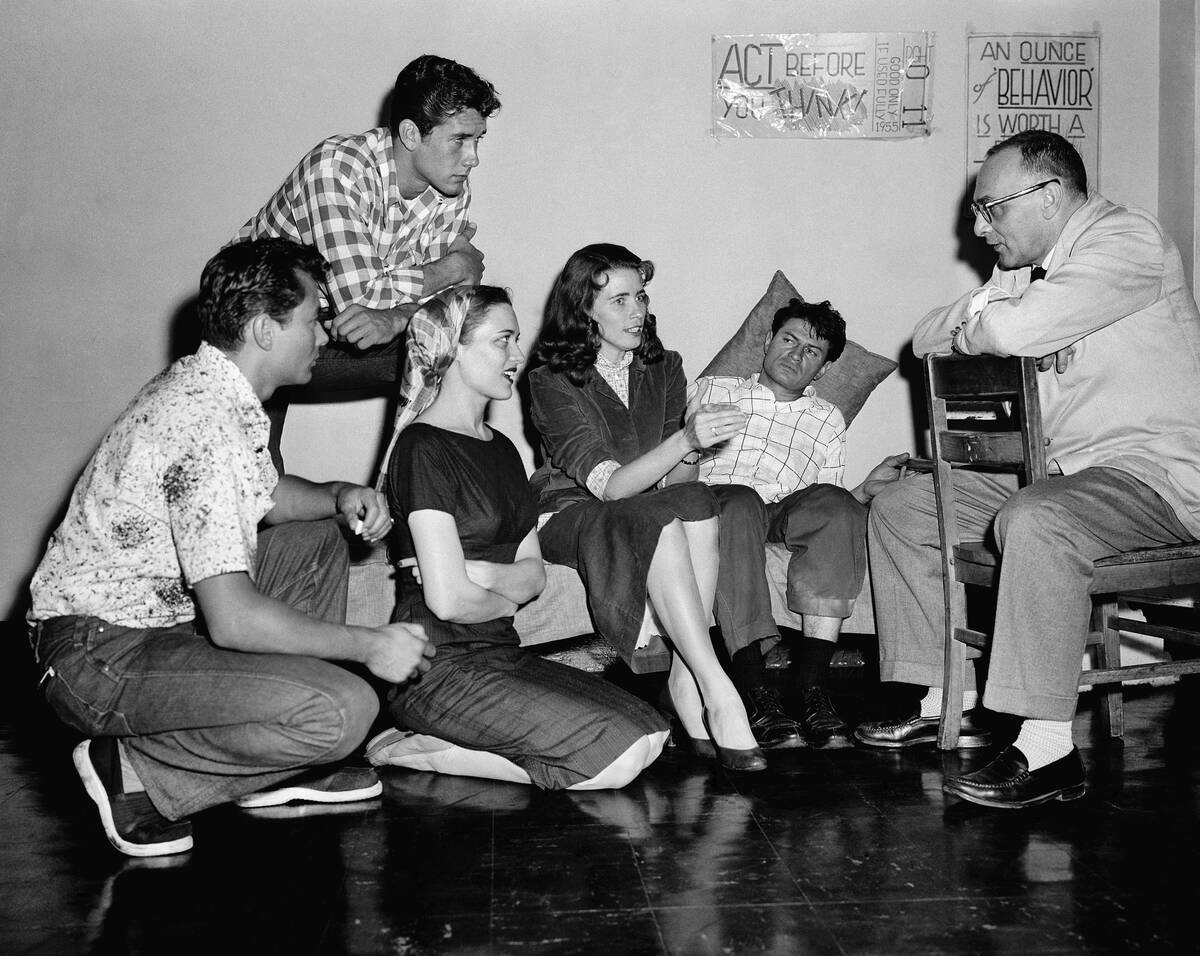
1030	512
739	503
904	509
840	507
341	714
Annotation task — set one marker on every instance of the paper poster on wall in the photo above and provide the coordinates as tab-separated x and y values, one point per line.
819	85
1020	81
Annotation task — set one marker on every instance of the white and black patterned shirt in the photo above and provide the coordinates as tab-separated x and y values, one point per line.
786	446
344	198
173	495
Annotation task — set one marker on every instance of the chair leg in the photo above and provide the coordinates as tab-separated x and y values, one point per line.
1108	654
952	691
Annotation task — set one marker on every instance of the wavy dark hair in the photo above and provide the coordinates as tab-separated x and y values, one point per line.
251	277
570	338
825	321
431	89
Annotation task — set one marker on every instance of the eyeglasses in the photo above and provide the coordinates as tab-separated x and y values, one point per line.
984	209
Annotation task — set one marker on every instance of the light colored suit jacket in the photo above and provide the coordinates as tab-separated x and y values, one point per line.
1115	290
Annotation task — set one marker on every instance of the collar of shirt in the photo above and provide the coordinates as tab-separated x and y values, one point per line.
809	392
625	361
420	204
232	382
616	376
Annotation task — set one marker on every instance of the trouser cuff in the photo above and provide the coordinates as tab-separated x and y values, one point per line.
1020	701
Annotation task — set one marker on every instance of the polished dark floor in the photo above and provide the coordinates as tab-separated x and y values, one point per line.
842	852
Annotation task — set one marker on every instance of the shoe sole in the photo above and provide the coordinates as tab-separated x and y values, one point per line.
1064	795
275	798
979	742
94	786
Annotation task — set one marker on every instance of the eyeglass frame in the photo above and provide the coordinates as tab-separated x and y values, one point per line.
984	209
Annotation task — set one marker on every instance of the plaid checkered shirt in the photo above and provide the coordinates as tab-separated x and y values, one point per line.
344	198
786	446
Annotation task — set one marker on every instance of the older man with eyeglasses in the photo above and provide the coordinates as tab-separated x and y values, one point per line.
1097	292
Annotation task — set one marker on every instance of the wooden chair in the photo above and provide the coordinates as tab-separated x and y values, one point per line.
984	413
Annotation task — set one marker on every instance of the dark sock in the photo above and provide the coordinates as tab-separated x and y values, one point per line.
810	660
747	668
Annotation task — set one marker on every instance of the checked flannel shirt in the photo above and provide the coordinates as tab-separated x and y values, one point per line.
786	445
344	198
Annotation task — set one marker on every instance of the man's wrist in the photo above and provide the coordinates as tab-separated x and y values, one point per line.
338	488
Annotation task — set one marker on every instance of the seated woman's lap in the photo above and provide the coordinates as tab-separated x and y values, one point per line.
611	545
559	724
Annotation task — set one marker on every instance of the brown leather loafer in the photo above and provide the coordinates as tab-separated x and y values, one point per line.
1009	784
916	730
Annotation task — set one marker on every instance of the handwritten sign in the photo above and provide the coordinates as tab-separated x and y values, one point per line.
818	85
1023	81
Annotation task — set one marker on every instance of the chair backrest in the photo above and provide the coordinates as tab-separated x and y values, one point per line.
983	412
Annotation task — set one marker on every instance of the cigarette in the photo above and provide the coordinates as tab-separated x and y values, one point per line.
358	525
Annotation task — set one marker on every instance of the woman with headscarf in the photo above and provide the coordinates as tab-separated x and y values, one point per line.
486	707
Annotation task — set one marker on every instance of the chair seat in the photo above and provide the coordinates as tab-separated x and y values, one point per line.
976	562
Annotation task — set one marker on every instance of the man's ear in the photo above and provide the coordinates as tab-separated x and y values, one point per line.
767	341
823	369
408	134
1052	200
262	329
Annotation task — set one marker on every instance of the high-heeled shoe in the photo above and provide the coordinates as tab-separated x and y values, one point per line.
703	747
745	760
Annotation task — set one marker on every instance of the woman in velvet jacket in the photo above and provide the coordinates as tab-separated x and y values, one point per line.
608	401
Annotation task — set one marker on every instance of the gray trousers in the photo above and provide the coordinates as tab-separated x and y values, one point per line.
1049	535
202	725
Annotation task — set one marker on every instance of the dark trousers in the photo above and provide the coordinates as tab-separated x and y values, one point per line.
823	526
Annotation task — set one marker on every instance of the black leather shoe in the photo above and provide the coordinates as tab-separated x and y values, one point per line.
823	728
772	728
1009	784
915	730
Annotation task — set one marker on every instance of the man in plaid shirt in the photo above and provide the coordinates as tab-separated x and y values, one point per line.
780	480
388	209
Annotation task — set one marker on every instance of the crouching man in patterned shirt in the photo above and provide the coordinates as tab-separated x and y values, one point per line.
388	209
191	648
780	480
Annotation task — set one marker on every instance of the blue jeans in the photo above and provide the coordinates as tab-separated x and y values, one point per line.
202	725
1049	534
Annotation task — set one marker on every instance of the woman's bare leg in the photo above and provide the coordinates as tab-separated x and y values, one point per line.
702	539
673	589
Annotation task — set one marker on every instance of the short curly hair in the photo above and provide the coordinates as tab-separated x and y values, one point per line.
248	278
825	321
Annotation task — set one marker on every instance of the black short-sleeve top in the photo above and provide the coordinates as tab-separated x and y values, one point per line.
481	484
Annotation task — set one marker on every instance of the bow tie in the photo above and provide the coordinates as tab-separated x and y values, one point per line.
1037	272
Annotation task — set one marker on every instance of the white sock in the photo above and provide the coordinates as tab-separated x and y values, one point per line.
931	703
1044	741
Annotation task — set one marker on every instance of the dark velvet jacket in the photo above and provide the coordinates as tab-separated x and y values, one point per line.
584	425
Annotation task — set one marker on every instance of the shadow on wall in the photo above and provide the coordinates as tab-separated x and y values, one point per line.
183	336
976	254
